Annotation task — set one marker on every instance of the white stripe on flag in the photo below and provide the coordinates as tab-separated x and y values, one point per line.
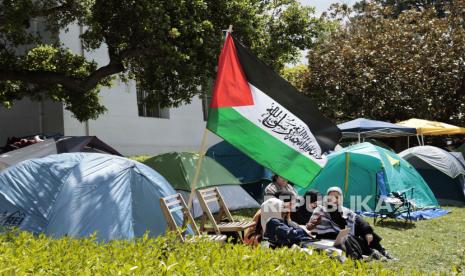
282	124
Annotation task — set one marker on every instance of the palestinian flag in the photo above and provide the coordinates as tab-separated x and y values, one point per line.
265	117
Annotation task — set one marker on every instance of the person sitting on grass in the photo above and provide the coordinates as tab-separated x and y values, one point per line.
331	218
279	184
278	228
311	200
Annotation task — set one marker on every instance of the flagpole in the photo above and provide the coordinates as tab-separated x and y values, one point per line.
201	153
198	167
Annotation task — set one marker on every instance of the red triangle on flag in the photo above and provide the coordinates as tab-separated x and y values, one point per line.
231	85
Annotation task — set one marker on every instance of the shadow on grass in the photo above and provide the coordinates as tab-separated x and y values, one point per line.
396	224
245	213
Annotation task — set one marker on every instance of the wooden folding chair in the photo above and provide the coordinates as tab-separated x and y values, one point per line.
175	203
224	221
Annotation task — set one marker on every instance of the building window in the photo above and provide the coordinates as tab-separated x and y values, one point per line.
150	110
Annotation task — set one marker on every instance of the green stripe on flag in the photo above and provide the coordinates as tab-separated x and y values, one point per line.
262	146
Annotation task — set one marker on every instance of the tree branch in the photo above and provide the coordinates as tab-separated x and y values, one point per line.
54	78
71	83
93	79
40	77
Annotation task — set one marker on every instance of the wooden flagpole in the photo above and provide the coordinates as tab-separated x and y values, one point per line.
201	153
198	167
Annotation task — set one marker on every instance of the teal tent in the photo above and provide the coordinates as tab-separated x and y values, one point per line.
369	171
77	194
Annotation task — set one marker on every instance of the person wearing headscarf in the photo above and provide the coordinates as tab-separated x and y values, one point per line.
302	214
279	230
332	217
279	184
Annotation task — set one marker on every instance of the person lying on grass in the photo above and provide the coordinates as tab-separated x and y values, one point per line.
332	217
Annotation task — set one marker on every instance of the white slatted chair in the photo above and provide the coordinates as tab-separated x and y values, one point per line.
224	221
175	203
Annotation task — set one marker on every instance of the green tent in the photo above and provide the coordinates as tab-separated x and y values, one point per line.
367	170
179	169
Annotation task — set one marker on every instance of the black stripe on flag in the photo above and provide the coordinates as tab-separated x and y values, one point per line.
269	82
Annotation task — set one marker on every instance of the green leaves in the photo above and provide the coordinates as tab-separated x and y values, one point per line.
21	252
378	66
56	59
170	47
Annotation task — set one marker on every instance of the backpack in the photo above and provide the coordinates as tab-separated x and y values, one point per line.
351	246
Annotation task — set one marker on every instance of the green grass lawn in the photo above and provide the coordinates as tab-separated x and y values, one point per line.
428	245
436	245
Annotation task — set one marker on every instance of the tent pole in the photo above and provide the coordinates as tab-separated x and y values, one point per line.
418	138
408	142
346	181
198	167
359	137
422	139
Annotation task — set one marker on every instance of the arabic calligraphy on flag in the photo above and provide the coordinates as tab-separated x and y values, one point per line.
284	123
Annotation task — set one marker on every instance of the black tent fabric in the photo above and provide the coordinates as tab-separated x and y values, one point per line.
56	145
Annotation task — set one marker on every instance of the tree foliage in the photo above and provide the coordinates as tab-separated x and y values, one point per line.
392	68
169	47
398	6
296	75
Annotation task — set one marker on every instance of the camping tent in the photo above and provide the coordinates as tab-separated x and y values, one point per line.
78	194
461	150
53	146
254	176
179	169
458	156
425	127
367	170
443	172
371	141
364	128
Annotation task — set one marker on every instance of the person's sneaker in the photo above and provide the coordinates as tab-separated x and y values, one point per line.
389	256
376	255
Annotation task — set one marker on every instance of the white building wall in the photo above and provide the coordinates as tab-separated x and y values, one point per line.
122	128
27	118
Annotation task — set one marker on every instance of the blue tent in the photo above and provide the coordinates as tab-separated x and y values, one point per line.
240	165
363	128
77	194
254	176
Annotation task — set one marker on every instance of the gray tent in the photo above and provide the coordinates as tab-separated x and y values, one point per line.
443	172
54	146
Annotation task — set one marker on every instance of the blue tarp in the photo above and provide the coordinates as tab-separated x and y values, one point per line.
77	194
416	215
239	164
374	128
